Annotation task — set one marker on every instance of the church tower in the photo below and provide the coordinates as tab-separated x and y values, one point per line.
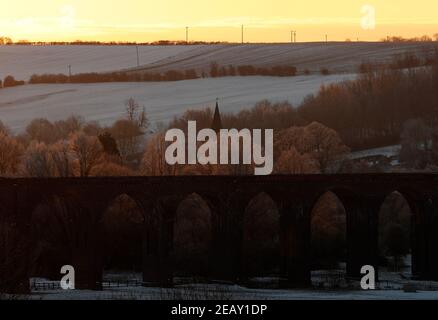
217	122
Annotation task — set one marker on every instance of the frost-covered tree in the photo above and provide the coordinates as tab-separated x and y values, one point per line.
292	162
10	154
128	137
87	152
415	143
154	162
42	130
37	161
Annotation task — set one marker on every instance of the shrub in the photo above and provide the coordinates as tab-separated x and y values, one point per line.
11	82
325	71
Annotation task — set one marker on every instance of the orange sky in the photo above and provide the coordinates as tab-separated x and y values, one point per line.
215	20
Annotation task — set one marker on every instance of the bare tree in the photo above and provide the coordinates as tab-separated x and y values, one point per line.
72	124
87	152
291	161
5	40
42	130
37	161
154	162
4	128
321	145
62	158
416	142
128	137
10	153
326	145
136	113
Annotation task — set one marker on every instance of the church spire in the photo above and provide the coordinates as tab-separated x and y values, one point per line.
217	122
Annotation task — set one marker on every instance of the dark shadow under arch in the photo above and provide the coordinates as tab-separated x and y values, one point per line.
123	236
51	232
328	227
396	233
261	237
192	237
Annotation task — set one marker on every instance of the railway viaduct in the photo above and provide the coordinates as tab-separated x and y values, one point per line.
227	197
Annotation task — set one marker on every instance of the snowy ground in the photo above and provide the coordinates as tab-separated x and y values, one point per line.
104	102
390	287
338	57
230	292
23	61
389	151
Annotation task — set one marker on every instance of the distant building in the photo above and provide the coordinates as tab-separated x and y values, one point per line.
217	122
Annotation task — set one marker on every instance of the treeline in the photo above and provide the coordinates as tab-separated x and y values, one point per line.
249	70
170	75
10	81
402	61
74	147
424	38
370	111
9	41
94	77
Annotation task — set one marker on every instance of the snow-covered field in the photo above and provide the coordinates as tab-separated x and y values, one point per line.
23	61
104	102
390	287
389	151
230	292
338	57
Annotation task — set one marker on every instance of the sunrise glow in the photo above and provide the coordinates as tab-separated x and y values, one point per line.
216	20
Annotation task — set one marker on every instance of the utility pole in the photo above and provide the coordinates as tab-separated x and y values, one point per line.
326	38
187	35
242	33
138	57
293	36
